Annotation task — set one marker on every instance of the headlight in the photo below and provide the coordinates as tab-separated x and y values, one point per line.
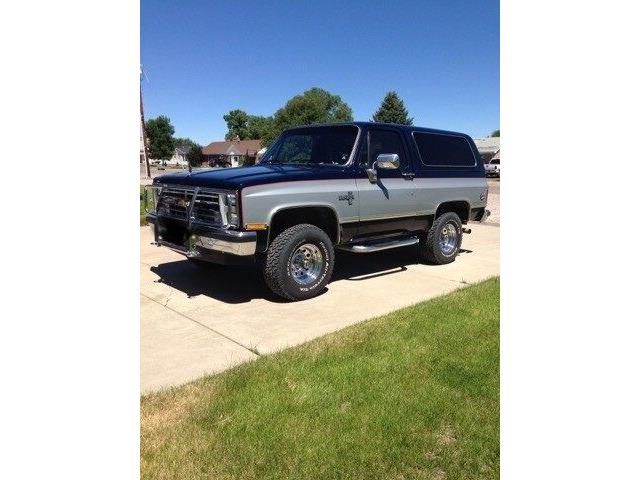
232	209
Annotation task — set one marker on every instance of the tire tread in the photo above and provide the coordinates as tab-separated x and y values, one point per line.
271	270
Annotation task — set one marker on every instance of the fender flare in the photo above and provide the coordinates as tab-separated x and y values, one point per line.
279	208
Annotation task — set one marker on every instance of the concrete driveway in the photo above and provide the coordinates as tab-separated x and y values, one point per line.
196	320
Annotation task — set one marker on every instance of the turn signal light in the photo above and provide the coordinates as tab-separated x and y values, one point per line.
255	226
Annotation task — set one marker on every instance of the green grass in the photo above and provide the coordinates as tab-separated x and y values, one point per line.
143	213
410	395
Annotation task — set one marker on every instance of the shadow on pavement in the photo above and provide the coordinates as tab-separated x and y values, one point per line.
243	284
227	284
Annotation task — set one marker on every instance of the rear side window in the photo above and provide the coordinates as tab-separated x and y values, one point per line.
437	150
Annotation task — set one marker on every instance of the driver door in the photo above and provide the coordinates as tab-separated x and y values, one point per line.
390	203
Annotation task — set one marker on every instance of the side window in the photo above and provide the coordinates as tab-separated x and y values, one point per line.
438	150
385	141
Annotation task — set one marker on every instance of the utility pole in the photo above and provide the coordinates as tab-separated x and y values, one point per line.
144	132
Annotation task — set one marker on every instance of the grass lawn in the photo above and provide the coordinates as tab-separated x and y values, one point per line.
410	395
143	213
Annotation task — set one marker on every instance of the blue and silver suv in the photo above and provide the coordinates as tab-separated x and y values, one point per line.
360	187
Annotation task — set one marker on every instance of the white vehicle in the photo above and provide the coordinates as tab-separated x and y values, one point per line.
492	169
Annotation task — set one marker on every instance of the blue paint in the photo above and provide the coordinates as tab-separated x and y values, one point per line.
238	178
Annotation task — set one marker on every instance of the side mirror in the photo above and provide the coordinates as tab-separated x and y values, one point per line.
386	161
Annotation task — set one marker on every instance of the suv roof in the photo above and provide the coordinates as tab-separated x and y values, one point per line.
409	128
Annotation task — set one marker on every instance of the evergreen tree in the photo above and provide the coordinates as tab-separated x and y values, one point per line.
392	110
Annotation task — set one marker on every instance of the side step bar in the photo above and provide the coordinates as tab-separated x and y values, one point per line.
369	247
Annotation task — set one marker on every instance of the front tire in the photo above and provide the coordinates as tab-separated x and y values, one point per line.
299	262
442	242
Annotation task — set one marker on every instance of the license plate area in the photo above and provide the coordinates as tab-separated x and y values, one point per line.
173	231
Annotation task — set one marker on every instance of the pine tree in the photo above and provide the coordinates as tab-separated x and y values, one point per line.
392	110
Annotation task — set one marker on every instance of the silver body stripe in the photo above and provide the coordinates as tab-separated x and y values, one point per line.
391	198
261	202
431	192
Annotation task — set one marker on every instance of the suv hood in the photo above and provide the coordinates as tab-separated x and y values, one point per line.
237	178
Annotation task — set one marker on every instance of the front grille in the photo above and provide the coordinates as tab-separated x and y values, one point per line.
175	202
206	208
179	203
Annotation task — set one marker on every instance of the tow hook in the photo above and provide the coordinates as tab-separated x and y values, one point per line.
466	230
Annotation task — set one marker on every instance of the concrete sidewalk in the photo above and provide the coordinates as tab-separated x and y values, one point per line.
196	320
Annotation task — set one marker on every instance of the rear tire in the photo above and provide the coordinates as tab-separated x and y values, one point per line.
442	242
299	262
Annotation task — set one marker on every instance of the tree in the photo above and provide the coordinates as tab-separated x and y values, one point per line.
237	124
313	106
243	126
184	142
495	133
195	156
160	134
392	110
259	127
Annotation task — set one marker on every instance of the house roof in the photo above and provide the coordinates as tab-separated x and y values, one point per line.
182	150
487	145
237	147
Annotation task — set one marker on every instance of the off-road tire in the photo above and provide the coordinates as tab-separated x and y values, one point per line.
429	248
276	267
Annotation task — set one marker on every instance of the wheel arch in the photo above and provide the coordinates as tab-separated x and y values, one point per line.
460	207
322	215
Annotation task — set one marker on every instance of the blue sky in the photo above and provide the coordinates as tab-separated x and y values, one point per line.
204	58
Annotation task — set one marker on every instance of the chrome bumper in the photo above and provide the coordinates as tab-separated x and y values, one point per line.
227	241
205	239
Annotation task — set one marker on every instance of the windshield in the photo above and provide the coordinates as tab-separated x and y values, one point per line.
315	146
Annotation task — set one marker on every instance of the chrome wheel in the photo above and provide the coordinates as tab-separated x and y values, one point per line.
448	239
306	264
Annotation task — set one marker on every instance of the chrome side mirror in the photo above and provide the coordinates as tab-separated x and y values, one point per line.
386	161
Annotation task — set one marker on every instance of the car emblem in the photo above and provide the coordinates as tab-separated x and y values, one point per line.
181	202
348	197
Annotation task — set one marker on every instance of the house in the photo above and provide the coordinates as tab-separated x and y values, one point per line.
179	156
261	152
487	147
232	153
178	159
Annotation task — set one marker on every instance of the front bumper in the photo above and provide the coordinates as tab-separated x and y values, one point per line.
209	243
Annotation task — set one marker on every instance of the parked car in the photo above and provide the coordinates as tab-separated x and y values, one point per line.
492	169
359	187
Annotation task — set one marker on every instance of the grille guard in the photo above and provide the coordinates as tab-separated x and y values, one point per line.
188	198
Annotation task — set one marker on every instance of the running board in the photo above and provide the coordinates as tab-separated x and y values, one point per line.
369	247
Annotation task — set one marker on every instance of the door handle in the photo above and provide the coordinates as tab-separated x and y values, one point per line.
408	175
